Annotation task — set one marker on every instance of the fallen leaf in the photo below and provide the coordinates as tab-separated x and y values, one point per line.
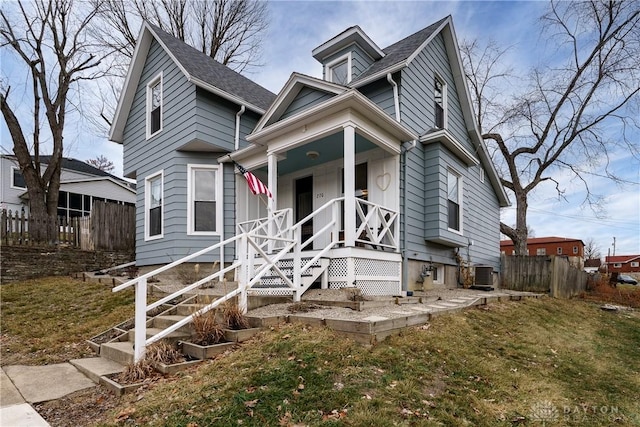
251	403
125	414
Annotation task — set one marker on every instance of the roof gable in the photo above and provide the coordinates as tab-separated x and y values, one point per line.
347	37
288	93
200	69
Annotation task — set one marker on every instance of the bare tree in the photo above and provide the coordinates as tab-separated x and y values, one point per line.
591	249
563	117
49	36
230	31
102	163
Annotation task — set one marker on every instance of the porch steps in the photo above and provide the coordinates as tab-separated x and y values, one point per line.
273	284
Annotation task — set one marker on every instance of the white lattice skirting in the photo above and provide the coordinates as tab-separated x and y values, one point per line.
372	276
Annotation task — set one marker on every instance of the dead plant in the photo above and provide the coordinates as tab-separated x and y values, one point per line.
136	372
206	329
163	352
303	307
233	316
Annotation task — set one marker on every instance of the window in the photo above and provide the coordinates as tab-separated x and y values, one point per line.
153	206
575	250
559	251
541	251
440	98
454	196
339	70
154	106
204	190
17	179
617	265
635	264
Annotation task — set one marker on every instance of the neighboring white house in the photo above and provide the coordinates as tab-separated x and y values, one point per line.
80	185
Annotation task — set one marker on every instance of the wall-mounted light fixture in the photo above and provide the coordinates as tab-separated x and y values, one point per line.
312	155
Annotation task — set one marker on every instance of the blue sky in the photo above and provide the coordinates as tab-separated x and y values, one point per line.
296	28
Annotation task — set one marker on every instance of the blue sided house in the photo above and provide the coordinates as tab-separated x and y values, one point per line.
377	176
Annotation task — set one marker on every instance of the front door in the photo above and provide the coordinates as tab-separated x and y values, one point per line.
304	205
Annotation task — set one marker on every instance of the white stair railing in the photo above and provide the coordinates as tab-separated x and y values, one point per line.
378	227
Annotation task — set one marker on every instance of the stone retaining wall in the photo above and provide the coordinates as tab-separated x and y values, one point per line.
24	262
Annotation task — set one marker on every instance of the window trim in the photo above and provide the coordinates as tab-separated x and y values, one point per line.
576	250
147	205
157	80
541	252
559	250
190	199
13	185
635	264
445	115
460	201
328	68
617	265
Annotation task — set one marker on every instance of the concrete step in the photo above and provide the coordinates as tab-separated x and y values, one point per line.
164	321
95	367
120	352
172	338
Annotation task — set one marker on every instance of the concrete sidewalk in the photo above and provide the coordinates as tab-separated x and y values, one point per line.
21	386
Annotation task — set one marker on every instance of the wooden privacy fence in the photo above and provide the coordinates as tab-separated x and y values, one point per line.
110	227
548	274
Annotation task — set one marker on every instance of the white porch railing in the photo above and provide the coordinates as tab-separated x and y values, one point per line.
260	245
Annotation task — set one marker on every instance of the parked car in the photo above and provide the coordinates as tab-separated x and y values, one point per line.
623	278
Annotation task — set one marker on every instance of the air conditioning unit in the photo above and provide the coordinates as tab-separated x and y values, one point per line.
484	278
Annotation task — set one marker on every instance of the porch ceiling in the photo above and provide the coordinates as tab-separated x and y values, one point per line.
328	148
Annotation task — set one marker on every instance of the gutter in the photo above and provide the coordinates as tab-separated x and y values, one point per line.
396	100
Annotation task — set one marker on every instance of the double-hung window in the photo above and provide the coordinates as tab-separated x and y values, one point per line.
339	70
154	206
17	179
204	199
454	200
154	106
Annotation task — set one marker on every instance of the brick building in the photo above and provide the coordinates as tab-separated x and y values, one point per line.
623	263
573	249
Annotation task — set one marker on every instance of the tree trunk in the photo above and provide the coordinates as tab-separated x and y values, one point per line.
520	233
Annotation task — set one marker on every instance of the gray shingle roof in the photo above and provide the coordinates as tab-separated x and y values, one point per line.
210	71
400	51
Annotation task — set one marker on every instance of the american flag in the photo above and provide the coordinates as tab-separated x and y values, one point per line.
255	185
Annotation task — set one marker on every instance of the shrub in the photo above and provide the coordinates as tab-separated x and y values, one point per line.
163	352
207	330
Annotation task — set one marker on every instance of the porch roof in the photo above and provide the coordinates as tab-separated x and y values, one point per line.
350	100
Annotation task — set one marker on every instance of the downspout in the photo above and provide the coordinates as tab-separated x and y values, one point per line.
237	146
237	138
406	147
396	99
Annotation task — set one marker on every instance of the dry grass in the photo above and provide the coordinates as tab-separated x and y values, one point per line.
622	294
233	316
47	320
163	352
136	372
207	330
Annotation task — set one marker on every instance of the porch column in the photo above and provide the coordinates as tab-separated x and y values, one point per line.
272	184
349	186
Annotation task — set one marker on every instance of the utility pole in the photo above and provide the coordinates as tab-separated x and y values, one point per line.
614	246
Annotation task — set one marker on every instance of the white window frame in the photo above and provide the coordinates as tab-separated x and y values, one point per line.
13	185
191	168
157	80
460	201
576	250
328	68
635	264
439	274
445	115
559	250
147	205
617	265
541	251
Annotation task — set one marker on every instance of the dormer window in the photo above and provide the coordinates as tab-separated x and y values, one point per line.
154	106
440	97
339	70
